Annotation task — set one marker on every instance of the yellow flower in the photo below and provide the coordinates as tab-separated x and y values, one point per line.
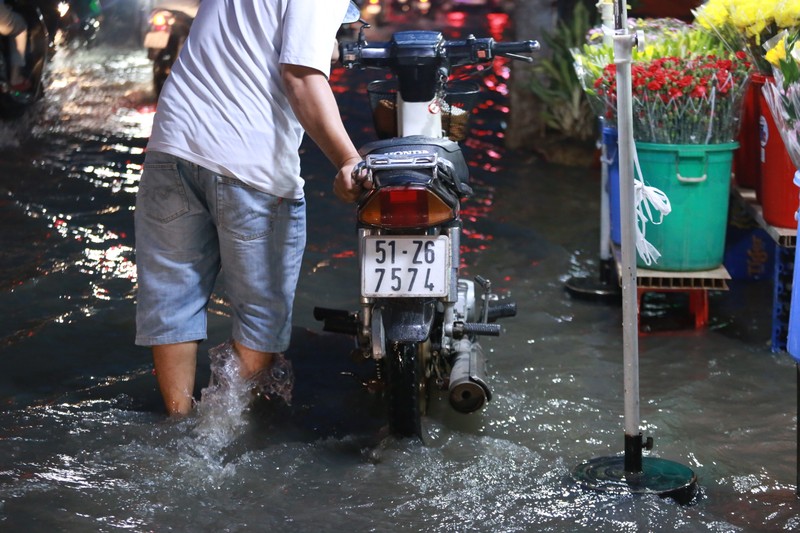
777	52
714	13
748	15
752	25
787	14
755	30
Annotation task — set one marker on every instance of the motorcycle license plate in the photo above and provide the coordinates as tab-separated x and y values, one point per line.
405	266
156	39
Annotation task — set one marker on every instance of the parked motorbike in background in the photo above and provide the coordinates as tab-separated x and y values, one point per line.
170	22
421	7
386	11
491	5
12	103
79	23
418	321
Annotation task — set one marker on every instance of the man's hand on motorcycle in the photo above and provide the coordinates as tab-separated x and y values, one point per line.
351	180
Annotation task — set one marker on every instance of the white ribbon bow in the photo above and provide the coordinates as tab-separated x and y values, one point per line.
646	196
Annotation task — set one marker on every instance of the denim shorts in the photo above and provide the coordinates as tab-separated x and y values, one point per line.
191	224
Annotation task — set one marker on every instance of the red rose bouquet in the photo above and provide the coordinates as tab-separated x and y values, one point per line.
683	100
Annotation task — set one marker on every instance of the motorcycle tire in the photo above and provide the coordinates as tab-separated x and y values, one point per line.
407	389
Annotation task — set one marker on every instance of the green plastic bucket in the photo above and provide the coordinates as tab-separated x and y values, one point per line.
696	179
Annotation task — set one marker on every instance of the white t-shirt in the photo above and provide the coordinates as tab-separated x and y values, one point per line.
224	107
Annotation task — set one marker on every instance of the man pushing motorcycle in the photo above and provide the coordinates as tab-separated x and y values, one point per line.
221	187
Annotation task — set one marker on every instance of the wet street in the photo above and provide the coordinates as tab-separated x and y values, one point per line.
85	445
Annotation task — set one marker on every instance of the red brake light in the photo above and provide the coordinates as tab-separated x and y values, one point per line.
161	20
405	207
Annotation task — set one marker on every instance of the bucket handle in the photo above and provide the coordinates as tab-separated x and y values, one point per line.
684	179
690	156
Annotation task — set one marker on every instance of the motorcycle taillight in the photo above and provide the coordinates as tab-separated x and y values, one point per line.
405	207
162	20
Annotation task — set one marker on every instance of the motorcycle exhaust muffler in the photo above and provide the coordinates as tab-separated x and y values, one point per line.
468	387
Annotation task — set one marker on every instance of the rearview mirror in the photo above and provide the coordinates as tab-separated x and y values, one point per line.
353	14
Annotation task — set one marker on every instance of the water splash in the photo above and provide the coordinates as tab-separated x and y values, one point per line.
222	407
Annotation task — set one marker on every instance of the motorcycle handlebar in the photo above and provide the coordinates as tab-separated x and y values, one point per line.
459	52
517	47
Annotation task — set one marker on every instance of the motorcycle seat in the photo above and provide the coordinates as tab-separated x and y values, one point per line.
451	166
449	151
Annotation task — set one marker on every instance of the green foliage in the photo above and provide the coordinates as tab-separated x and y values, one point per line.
789	65
566	109
662	38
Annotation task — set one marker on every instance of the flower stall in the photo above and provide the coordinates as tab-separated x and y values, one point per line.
782	95
782	92
762	163
688	90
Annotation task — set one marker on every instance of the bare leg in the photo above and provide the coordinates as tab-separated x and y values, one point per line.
18	58
270	374
252	361
175	366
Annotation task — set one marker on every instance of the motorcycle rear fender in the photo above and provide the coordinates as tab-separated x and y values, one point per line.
407	319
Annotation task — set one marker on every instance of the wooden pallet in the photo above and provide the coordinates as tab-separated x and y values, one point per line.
695	284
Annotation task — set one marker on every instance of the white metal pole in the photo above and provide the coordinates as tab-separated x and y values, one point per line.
623	53
662	477
606	8
605	208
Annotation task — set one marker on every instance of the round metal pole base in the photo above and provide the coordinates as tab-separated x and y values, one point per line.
658	476
604	288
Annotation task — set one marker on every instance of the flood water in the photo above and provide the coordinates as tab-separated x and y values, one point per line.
85	445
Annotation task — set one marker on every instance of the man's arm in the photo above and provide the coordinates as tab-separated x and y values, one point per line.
315	106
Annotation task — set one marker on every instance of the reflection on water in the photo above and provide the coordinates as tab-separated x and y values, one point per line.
84	445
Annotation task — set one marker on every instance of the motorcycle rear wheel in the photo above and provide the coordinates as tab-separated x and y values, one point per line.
407	389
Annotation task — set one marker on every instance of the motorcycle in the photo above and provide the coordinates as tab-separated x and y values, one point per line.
421	7
386	11
418	321
169	27
12	103
79	23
